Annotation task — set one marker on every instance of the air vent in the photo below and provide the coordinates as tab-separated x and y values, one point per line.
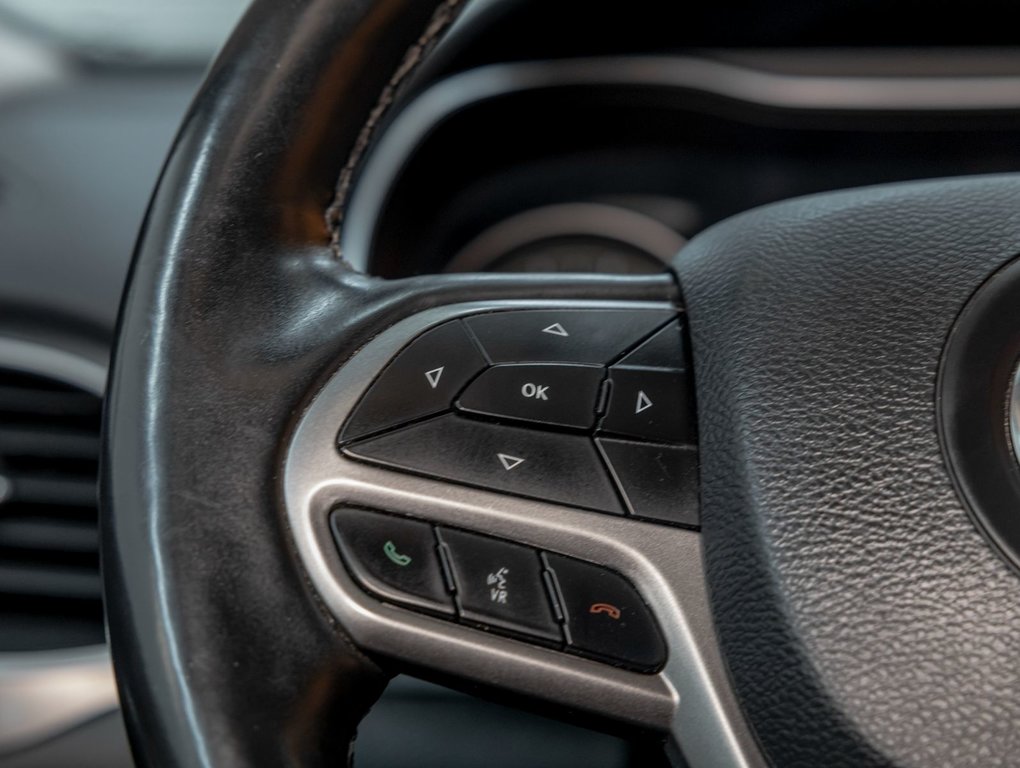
50	593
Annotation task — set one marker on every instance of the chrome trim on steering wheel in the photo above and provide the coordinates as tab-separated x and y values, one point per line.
1014	413
46	693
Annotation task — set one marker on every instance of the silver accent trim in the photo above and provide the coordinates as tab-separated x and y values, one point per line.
1014	413
739	82
45	693
5	489
43	360
690	698
610	222
26	64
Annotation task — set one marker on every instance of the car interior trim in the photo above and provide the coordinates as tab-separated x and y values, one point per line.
25	64
45	360
689	700
46	693
741	83
443	16
632	228
1014	413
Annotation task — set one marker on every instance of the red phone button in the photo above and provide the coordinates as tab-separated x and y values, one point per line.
605	616
609	610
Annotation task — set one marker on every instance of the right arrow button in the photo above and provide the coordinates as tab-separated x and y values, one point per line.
649	403
643	402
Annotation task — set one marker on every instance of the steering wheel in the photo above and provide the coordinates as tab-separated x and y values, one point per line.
764	506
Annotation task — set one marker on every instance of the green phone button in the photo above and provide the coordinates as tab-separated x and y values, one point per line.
390	550
394	558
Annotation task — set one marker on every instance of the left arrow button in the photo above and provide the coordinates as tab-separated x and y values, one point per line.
423	379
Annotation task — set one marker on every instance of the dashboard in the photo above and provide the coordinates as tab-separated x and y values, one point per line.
637	154
647	137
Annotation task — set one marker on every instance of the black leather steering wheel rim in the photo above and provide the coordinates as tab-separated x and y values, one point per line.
238	204
239	306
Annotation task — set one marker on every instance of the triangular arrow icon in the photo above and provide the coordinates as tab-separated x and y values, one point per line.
643	402
509	462
556	330
433	376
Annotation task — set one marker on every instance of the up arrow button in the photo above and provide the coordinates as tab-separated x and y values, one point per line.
583	336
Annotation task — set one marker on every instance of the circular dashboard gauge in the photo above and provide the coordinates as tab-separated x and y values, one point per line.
572	237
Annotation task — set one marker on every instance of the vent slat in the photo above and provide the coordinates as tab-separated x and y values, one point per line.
19	400
47	442
34	580
56	536
24	380
59	491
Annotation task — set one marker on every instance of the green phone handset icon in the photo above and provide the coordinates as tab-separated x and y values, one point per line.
391	552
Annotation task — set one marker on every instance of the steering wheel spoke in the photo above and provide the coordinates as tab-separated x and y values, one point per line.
492	542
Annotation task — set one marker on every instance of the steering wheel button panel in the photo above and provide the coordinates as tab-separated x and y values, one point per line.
544	393
546	465
423	379
545	368
605	616
666	349
650	404
563	336
500	584
659	482
394	558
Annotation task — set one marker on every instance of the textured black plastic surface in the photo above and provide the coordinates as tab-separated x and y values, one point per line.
658	482
665	349
864	619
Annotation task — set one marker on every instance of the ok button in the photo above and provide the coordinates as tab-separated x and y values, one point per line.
544	393
537	391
